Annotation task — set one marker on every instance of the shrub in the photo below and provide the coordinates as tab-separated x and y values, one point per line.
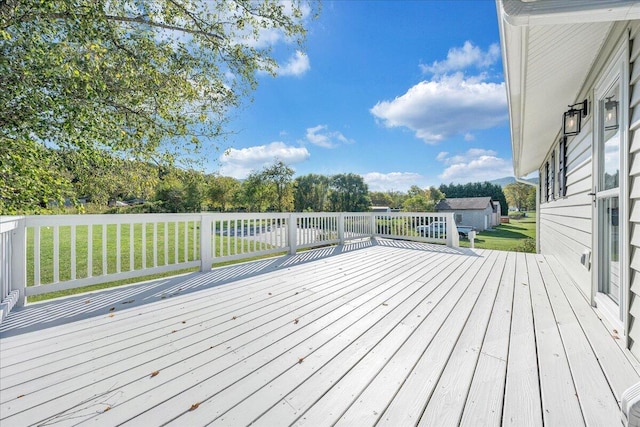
527	245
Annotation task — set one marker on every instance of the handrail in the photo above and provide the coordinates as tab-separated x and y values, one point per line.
41	254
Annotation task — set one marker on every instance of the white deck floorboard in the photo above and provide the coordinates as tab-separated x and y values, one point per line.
372	333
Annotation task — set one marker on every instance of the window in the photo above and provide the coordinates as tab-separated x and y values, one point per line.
546	182
543	185
562	167
458	218
552	176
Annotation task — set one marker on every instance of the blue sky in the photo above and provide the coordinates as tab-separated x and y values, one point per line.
401	92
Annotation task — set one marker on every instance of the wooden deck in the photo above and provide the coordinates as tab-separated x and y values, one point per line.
382	333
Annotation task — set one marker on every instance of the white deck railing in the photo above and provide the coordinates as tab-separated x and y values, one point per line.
41	254
12	268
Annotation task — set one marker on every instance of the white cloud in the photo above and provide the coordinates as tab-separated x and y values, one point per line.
460	58
322	137
297	65
240	163
476	165
438	109
396	181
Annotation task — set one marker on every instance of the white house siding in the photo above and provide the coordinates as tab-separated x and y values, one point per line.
634	192
565	222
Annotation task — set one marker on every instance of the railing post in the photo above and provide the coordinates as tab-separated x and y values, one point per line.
206	257
293	234
453	240
341	227
19	262
374	228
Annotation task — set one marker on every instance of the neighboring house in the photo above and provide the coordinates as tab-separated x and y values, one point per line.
478	212
585	54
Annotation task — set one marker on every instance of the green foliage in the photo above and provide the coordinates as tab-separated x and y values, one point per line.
420	200
222	191
148	80
477	189
418	203
102	177
29	177
379	198
349	193
311	193
279	177
520	195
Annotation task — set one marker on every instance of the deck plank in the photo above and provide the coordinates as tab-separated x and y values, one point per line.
558	393
323	368
382	370
483	405
599	406
156	334
218	380
203	330
448	400
171	362
412	331
616	366
522	405
408	404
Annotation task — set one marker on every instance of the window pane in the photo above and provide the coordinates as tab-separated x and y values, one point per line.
610	156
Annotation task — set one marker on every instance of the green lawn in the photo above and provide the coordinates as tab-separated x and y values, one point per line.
519	235
228	246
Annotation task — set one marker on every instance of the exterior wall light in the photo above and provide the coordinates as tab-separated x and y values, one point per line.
610	114
573	118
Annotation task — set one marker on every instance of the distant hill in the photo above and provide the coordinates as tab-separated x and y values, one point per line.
502	182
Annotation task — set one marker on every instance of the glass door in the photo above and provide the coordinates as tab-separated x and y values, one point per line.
607	196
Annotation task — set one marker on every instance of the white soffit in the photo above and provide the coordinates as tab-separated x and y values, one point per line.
548	48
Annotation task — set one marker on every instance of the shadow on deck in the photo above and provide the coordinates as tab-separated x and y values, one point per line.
54	312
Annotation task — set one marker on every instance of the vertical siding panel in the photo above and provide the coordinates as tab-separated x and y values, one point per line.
634	203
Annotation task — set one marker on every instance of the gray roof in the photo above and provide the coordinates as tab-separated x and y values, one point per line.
464	204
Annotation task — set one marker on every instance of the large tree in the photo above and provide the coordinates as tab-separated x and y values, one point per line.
311	192
222	191
519	195
147	79
279	177
349	193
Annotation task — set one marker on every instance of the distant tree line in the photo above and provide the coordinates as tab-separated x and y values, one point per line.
101	183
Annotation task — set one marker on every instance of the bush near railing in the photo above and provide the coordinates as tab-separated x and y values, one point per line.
58	252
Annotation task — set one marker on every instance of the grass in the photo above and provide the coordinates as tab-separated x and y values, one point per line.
514	236
226	246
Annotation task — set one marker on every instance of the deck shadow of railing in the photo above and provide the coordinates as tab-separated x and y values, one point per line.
59	311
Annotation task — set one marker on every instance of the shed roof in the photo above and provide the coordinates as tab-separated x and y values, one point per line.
464	204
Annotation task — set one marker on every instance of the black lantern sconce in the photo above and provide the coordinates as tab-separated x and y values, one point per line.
610	114
572	121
